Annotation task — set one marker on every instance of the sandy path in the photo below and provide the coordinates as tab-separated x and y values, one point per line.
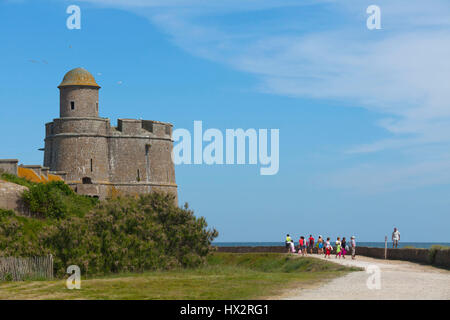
398	280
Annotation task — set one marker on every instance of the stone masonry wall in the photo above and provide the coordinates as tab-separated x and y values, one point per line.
84	98
9	166
73	154
442	258
132	158
11	197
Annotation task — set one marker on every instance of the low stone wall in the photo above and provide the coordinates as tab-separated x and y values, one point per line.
280	249
414	255
9	166
370	252
442	257
11	197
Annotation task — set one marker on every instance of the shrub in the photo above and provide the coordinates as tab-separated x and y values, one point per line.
118	235
6	213
19	235
128	234
56	200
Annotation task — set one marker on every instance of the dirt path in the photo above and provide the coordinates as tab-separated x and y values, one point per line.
398	280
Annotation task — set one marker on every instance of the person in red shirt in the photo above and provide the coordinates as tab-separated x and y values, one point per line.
311	243
302	244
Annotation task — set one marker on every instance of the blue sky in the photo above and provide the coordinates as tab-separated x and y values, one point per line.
364	116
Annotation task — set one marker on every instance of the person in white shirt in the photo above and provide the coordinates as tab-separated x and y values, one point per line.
395	238
353	242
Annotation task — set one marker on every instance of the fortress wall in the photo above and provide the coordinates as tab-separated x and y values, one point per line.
162	169
133	158
131	127
141	188
152	157
48	146
167	189
99	126
87	126
151	128
163	130
134	189
127	155
85	99
73	154
49	129
9	165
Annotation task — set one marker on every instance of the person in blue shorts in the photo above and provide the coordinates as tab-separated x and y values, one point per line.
320	245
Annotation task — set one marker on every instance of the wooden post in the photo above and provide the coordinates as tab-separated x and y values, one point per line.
385	247
51	266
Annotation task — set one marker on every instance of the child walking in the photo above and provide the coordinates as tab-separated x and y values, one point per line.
338	247
344	247
328	248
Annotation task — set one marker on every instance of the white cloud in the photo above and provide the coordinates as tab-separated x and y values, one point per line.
376	178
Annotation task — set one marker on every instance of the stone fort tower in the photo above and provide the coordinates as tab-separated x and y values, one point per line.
99	160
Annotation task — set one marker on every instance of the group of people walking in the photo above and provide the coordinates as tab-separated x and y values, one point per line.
341	248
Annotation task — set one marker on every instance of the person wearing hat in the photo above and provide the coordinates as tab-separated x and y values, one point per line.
353	242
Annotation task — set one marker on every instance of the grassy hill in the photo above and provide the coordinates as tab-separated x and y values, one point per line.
121	234
224	276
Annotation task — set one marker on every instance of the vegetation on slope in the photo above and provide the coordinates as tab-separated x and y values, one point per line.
124	234
223	276
15	179
56	200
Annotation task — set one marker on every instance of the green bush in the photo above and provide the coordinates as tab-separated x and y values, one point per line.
19	236
6	213
118	235
56	200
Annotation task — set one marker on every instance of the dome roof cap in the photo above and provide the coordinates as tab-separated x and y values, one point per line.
79	77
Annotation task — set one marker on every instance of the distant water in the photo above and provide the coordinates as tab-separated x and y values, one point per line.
424	245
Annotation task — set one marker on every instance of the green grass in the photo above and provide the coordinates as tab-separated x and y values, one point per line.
225	276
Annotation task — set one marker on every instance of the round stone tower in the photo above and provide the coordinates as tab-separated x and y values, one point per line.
78	94
99	160
76	143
